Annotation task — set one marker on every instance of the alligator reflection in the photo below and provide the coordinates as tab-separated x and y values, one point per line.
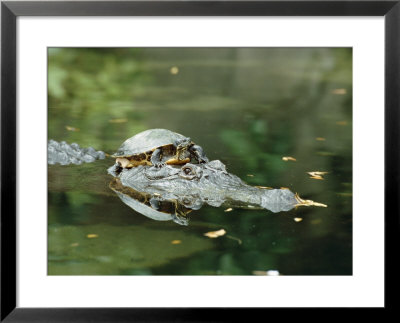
171	192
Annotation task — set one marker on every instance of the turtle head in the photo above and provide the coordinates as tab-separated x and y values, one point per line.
183	144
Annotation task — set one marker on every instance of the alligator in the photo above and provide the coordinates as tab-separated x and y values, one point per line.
172	191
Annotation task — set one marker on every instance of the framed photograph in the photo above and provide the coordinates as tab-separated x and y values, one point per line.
170	160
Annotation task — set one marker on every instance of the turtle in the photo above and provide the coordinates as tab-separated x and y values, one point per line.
158	147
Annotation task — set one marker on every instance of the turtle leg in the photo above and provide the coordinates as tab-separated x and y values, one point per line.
179	216
156	158
115	170
198	152
155	203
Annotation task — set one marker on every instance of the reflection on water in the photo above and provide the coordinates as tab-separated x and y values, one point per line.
150	205
247	107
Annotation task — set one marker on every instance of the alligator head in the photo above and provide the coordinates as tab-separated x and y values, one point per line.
192	185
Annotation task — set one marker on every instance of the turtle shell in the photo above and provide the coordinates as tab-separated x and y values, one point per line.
146	141
140	202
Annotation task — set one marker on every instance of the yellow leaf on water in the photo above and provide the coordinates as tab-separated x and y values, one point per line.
317	173
298	219
174	70
250	175
317	177
287	158
120	120
215	234
176	241
92	235
339	91
228	209
69	128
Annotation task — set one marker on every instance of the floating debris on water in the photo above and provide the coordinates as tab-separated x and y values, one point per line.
320	139
176	241
339	91
120	120
92	235
174	70
341	123
298	219
75	244
215	234
69	128
250	175
234	238
317	175
287	158
228	209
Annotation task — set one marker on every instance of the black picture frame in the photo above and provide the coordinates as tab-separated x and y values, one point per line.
10	10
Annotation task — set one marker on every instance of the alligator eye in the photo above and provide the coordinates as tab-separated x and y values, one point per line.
187	170
190	172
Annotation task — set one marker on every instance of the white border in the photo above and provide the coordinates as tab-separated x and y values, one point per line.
364	288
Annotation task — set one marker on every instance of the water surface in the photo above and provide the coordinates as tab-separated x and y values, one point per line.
247	107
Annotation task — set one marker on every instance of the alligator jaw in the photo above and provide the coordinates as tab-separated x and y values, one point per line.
211	184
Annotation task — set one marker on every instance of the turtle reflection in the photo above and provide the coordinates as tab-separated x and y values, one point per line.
150	205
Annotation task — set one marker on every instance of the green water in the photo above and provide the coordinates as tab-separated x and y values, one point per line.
247	107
